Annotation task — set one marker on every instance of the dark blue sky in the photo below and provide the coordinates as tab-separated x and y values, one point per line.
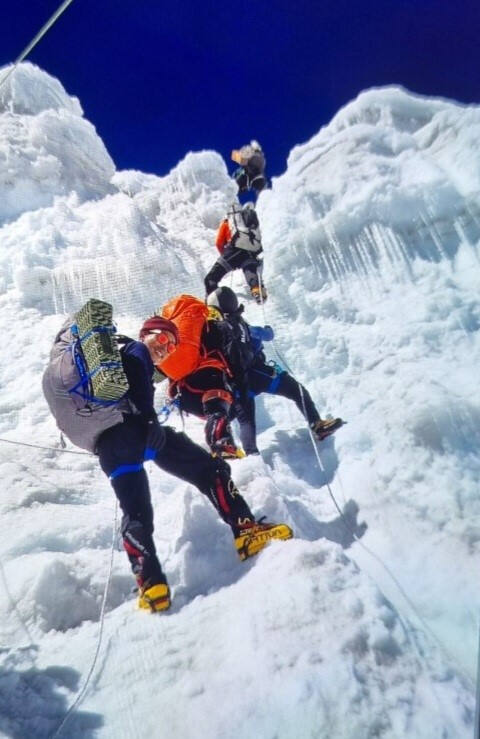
160	79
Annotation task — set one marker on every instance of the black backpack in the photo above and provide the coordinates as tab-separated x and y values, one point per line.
250	218
244	228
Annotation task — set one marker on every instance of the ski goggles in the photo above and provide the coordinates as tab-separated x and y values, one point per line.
163	339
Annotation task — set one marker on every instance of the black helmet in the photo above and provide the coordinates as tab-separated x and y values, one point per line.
224	299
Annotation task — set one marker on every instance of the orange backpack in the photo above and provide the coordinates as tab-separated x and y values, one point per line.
189	315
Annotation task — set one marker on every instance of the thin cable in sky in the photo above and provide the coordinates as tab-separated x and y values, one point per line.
37	38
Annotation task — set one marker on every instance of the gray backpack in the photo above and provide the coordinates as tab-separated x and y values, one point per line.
67	382
244	228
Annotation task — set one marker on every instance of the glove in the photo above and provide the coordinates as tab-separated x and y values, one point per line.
155	435
268	333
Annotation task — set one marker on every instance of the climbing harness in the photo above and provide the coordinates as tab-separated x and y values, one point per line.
166	409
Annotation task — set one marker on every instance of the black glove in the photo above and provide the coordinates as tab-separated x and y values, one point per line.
155	433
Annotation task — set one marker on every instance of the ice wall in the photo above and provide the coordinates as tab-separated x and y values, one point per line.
372	259
389	179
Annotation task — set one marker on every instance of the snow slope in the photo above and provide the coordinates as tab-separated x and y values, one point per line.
371	261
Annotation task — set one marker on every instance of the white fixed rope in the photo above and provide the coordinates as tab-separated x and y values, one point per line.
35	40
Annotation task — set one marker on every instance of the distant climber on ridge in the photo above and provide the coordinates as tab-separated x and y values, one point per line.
251	173
239	242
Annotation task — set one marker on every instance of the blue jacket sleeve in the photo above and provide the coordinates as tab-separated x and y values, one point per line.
139	368
262	333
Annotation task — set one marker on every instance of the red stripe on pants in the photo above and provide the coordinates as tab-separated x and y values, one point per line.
221	496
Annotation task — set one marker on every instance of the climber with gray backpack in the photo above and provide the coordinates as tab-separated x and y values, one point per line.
100	391
239	242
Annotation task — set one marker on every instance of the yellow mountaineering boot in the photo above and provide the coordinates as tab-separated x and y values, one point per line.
235	453
154	598
322	429
225	449
259	293
251	540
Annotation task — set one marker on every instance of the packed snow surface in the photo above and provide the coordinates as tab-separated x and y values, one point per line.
371	256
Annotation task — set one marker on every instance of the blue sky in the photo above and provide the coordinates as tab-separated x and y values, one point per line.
158	80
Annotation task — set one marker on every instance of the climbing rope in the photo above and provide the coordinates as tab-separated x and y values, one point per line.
163	415
37	38
39	446
377	558
477	707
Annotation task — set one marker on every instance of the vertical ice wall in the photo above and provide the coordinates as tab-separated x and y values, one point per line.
388	181
372	258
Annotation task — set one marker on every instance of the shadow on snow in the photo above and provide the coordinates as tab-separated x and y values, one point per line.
32	706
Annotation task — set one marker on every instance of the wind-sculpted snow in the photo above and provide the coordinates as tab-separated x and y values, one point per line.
47	148
386	181
30	91
364	625
134	249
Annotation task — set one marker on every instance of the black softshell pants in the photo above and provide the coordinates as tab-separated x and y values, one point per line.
233	258
266	379
121	452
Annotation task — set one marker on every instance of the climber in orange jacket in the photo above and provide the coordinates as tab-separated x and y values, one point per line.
201	370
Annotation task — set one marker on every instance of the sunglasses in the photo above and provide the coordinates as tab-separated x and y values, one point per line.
163	339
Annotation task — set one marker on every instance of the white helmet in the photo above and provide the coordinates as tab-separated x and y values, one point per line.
255	145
